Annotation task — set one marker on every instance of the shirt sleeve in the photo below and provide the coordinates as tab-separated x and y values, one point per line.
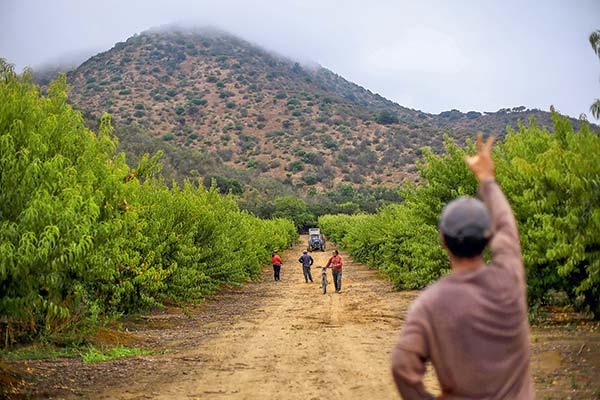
410	355
504	245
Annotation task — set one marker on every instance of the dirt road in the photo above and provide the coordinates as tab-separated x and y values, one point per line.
299	344
286	340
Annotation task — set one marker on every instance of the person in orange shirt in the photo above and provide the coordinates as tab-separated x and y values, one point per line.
336	269
276	261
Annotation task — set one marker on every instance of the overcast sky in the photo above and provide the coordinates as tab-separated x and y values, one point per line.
428	55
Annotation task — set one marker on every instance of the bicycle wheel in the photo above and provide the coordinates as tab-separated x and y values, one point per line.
324	284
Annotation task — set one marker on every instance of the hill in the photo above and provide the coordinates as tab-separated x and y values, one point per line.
223	106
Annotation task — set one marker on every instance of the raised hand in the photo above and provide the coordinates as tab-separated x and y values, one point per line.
482	164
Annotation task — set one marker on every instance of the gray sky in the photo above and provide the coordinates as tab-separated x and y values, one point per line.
429	55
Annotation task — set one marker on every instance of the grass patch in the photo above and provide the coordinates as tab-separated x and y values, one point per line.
93	354
87	354
40	352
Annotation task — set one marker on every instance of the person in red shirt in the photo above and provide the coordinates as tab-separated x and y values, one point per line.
276	261
336	264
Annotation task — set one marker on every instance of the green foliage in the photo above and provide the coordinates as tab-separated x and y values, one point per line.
40	352
342	200
329	142
59	205
595	43
224	184
294	208
295	166
386	118
402	240
312	158
595	109
199	102
552	181
82	236
309	179
93	354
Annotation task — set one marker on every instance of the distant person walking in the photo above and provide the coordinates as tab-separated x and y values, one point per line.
336	264
306	260
276	261
471	324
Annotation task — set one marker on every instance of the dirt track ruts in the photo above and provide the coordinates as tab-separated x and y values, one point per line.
299	344
286	340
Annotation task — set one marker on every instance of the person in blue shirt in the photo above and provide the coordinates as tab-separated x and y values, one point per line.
306	260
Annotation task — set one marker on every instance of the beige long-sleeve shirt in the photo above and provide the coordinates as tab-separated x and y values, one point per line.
472	325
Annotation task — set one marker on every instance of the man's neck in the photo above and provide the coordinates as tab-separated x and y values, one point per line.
459	264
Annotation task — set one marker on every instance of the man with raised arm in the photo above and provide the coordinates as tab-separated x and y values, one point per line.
471	324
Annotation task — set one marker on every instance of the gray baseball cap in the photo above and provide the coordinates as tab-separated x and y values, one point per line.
466	217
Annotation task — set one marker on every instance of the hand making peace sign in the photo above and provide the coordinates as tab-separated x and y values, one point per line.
482	164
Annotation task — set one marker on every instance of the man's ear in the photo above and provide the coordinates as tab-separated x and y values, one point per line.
442	241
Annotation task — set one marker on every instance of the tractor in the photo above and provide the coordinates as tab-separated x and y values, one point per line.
316	240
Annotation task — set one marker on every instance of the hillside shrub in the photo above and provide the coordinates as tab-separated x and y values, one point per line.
386	118
295	166
199	102
309	179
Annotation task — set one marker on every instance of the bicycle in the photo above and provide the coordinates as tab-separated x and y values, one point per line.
324	279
